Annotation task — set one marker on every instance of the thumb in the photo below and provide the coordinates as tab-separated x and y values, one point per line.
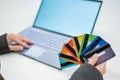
93	59
16	48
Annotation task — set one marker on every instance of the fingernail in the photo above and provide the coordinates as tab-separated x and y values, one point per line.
96	54
21	48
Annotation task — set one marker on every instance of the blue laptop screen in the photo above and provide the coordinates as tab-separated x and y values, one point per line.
70	17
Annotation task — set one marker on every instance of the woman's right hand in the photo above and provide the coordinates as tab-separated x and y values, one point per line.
21	40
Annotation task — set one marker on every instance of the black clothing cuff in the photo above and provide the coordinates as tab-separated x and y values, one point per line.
3	44
86	72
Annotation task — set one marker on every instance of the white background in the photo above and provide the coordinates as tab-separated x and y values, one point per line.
16	15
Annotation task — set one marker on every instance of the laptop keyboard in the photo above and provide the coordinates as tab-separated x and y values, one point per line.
45	40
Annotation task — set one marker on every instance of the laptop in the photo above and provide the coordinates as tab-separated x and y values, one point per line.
56	22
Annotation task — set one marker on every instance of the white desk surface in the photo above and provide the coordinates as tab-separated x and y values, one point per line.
16	15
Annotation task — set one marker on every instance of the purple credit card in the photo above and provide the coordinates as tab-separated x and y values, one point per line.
105	53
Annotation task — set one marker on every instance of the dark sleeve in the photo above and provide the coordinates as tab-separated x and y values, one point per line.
3	44
86	72
1	78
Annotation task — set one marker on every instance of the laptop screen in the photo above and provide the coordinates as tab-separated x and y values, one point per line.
69	17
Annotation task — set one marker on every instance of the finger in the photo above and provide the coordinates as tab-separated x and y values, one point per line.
16	48
25	39
20	42
102	67
10	37
93	59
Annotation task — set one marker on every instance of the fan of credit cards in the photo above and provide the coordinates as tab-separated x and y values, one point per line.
80	48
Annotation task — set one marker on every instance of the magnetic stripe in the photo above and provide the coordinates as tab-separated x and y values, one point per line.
66	64
97	50
92	45
95	43
85	42
71	49
68	57
77	43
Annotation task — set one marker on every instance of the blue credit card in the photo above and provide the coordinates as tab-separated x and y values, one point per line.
98	41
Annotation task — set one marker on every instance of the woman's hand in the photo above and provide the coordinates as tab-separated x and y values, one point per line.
101	67
21	41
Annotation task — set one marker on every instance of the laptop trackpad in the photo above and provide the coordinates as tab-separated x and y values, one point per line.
44	55
35	51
